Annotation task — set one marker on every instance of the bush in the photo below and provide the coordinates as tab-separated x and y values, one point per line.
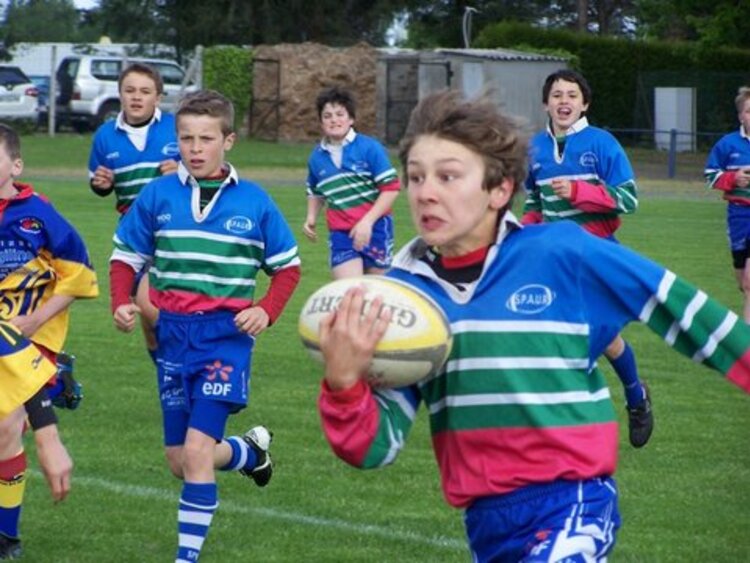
624	72
229	70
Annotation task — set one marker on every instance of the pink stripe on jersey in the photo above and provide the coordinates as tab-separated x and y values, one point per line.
479	463
604	228
338	409
738	373
178	301
339	220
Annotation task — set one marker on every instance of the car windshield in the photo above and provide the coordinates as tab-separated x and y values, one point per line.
11	76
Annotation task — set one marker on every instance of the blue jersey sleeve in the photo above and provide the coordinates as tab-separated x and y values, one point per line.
281	249
135	235
312	179
98	154
615	168
382	169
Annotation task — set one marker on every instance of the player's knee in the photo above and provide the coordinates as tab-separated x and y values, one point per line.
11	428
174	460
194	456
615	348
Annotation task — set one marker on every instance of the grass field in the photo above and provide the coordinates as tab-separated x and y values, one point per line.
684	498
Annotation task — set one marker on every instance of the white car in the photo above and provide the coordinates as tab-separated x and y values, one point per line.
87	86
18	96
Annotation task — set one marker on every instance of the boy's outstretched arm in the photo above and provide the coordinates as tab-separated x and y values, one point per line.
54	460
366	428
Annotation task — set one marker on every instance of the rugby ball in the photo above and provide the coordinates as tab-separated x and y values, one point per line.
415	344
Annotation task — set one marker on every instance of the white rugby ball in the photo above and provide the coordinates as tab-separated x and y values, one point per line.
415	344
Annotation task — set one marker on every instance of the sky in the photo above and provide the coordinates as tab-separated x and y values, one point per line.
82	4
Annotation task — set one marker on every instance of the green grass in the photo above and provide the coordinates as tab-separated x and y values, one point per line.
684	497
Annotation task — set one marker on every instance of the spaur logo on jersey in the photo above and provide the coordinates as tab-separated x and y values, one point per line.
31	225
171	150
238	225
588	159
113	155
163	218
530	299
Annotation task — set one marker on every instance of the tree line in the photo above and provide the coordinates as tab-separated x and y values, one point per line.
183	24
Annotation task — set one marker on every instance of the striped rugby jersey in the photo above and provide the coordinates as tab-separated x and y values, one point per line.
604	180
729	154
350	190
204	260
41	255
520	399
133	168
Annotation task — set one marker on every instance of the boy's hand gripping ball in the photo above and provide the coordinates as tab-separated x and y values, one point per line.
416	343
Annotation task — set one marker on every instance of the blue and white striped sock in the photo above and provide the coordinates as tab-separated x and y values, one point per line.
243	456
197	506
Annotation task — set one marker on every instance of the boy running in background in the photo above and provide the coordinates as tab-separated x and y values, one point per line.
44	267
209	234
130	151
523	426
350	174
581	173
728	170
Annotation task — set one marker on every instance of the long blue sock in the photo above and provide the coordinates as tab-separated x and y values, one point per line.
243	456
626	369
197	506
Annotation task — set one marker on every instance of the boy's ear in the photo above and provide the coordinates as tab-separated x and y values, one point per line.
16	168
500	194
229	141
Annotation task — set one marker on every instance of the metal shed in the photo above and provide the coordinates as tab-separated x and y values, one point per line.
514	77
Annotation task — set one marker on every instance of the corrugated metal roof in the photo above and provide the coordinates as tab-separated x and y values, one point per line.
500	55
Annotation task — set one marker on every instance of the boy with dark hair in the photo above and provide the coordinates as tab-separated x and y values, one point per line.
44	267
209	234
130	151
581	173
522	423
728	170
350	174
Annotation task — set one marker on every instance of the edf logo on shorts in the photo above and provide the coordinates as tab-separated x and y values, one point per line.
216	383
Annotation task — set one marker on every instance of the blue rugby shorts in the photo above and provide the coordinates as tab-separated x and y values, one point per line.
572	521
377	254
738	232
202	359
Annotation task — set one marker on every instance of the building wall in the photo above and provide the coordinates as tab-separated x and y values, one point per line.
516	85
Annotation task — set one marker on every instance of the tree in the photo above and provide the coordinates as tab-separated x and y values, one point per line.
711	22
187	23
438	23
43	21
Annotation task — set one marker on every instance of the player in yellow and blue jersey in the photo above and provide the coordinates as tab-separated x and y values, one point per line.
44	267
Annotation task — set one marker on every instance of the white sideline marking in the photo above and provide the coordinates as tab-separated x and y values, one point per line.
295	517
